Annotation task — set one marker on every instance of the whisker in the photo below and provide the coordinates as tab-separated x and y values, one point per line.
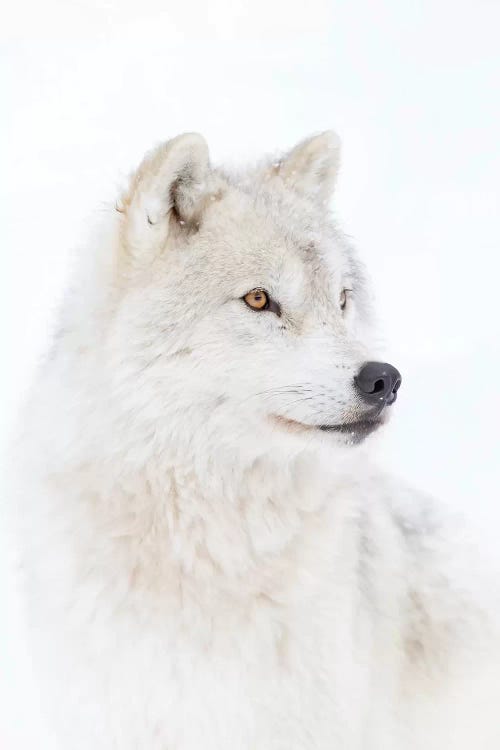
277	391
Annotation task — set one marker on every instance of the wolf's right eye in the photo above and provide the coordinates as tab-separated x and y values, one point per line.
259	299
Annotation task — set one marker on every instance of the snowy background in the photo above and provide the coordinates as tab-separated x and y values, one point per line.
412	89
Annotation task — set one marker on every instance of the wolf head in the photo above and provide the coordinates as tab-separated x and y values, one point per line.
240	314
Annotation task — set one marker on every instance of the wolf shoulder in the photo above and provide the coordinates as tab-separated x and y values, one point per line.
432	556
433	592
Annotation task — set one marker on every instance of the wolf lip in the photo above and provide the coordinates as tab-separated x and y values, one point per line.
359	429
356	431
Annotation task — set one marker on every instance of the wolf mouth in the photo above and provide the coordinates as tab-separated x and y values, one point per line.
354	431
361	428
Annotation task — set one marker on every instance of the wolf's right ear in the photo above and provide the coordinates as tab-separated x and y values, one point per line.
168	188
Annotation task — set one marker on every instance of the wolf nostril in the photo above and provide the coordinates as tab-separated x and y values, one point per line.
378	386
396	385
378	381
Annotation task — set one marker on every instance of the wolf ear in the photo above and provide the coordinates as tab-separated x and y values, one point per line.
167	189
311	167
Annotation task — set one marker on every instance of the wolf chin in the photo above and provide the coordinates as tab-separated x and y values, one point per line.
211	561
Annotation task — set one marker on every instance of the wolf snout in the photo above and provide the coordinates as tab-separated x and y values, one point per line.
378	382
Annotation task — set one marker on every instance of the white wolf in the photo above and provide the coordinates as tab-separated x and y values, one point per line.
211	561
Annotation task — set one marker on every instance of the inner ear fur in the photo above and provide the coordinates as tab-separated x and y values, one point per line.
311	168
168	187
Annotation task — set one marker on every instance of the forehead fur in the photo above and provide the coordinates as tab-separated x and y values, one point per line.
256	220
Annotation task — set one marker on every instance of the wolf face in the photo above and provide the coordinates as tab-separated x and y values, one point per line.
240	310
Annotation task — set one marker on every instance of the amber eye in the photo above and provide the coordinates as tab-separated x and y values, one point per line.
259	299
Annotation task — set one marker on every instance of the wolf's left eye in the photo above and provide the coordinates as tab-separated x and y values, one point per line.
343	298
259	299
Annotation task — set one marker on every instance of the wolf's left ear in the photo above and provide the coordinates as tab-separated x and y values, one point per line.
311	167
168	189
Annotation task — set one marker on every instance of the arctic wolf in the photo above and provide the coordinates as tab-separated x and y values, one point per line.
211	561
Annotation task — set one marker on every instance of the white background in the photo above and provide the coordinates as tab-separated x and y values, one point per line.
413	88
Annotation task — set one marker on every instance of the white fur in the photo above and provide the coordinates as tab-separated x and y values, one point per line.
205	568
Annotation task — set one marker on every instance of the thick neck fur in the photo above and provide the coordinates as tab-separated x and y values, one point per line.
180	513
194	503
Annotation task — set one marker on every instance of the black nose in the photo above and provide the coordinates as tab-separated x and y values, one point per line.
378	382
